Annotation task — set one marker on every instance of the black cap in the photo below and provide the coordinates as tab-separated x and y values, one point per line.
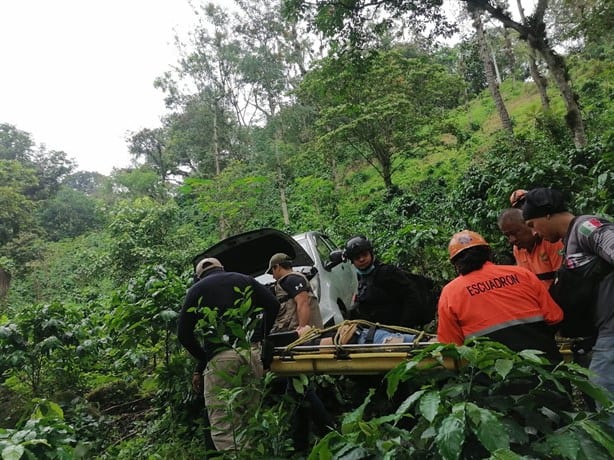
540	202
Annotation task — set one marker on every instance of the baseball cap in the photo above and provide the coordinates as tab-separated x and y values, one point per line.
277	259
207	264
540	202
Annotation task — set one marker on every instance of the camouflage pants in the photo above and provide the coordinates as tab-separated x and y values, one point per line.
231	369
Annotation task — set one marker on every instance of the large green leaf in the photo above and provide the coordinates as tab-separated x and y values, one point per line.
12	452
356	453
488	428
503	367
429	405
406	405
594	391
599	435
506	454
565	444
451	436
354	417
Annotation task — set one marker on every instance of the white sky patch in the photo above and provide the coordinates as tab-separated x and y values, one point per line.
78	75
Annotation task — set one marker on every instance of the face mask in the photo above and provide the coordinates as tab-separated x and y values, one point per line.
366	271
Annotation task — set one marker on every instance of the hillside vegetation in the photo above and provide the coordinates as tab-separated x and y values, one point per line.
403	144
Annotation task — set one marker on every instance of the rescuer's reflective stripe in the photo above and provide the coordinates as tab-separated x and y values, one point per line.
506	324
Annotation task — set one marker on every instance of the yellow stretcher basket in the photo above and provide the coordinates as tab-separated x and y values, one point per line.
350	359
300	357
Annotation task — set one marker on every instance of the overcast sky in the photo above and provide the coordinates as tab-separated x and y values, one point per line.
78	74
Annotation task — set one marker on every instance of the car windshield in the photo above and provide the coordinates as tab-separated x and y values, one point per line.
302	240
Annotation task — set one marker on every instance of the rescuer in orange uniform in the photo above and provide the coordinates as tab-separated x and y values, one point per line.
531	251
506	303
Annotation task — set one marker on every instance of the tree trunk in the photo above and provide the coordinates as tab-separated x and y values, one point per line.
216	159
540	82
216	145
282	197
491	78
5	282
280	182
534	33
558	69
509	52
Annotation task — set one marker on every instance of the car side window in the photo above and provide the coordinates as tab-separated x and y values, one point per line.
324	247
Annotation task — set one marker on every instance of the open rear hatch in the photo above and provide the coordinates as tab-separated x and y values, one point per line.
249	252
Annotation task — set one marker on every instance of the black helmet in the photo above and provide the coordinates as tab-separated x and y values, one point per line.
357	245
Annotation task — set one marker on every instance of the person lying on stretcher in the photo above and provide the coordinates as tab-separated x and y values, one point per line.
354	333
348	332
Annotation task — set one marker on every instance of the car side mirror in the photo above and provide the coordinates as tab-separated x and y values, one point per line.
335	258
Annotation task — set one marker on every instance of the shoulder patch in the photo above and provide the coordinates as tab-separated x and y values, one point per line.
589	226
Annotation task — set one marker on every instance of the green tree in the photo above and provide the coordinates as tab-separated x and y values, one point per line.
137	182
489	69
68	214
145	233
387	108
16	207
15	144
51	167
353	25
202	137
88	182
149	145
235	197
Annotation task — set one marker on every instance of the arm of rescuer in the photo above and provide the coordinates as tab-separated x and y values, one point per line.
262	298
296	287
448	326
303	309
185	334
599	236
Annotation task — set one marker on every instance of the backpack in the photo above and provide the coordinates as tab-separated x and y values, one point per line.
575	291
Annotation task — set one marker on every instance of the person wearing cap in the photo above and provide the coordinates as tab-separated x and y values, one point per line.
589	253
530	250
299	308
386	294
505	303
517	198
299	305
220	357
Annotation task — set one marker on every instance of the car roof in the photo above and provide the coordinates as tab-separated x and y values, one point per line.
250	252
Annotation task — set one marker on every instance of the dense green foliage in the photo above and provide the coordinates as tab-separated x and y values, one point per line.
399	142
495	403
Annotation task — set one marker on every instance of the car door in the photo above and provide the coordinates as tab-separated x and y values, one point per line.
340	281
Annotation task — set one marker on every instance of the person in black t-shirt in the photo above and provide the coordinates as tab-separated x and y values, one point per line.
299	305
222	353
299	308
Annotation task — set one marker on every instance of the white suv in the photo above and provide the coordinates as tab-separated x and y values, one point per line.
333	279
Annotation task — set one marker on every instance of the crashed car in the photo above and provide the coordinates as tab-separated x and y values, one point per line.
332	278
